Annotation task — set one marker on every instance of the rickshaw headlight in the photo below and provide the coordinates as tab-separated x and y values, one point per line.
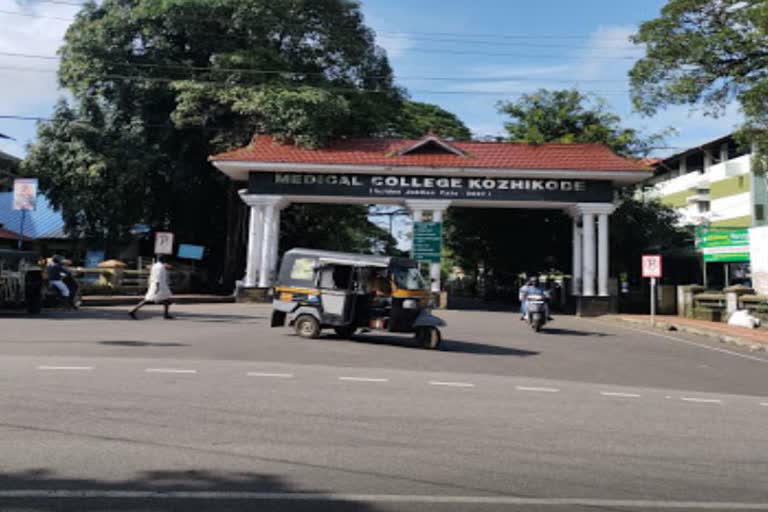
410	304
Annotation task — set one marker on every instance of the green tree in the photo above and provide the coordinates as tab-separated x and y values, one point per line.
570	116
642	226
419	119
707	53
157	86
505	242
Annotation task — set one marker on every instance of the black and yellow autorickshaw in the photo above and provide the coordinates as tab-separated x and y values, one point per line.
347	292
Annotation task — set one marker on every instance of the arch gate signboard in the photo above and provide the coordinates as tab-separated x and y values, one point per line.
427	176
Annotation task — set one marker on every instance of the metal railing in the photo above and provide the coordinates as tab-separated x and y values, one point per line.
109	281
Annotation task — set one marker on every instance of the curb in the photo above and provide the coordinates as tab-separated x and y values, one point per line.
133	300
660	325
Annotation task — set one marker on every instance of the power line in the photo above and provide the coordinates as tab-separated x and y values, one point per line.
510	44
448	51
456	35
31	15
465	78
336	89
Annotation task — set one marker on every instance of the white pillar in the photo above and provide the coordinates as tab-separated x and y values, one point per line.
266	245
273	257
253	257
602	255
588	277
577	253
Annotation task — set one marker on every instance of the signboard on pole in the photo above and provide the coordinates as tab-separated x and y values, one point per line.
723	244
163	242
191	252
427	241
651	265
652	268
25	194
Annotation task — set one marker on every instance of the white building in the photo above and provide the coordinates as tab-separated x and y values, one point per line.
712	184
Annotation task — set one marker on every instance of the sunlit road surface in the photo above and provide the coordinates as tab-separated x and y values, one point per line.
216	411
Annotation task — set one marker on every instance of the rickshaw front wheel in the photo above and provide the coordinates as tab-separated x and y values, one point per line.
428	337
307	326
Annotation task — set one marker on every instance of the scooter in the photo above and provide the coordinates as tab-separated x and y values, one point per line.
52	297
537	311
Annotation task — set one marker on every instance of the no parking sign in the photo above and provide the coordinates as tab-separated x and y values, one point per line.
652	269
651	265
163	242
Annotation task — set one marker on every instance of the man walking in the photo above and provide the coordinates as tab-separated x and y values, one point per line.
158	291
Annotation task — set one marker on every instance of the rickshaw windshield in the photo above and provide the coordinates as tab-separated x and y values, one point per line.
408	278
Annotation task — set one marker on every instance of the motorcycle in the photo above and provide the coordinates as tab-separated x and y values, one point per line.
52	297
537	311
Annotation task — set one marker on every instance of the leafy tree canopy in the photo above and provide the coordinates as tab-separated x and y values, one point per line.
570	116
707	53
157	86
565	116
419	119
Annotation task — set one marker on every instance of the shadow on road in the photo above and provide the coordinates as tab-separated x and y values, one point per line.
39	488
457	346
571	332
141	344
151	311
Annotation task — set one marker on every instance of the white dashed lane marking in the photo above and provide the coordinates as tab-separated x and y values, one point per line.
81	368
620	395
701	400
537	389
364	379
455	384
169	370
451	384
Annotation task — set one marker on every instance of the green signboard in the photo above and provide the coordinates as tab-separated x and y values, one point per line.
723	244
427	241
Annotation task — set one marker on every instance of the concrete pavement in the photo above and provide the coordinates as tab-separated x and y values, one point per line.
216	411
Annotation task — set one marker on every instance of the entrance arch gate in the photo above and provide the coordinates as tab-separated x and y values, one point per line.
429	175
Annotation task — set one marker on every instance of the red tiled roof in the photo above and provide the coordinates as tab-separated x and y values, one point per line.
491	155
7	234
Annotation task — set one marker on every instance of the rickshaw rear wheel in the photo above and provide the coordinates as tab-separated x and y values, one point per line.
428	337
345	332
307	326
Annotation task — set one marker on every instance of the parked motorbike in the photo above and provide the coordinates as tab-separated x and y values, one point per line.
537	311
52	297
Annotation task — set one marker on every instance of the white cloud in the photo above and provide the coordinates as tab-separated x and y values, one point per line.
11	147
609	54
22	91
395	44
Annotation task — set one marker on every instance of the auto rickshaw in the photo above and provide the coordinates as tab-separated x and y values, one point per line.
347	292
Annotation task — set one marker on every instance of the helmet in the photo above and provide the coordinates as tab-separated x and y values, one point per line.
56	258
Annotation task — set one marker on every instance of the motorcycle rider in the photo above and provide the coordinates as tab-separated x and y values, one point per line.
56	275
532	287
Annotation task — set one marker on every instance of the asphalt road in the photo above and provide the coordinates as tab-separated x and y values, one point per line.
216	411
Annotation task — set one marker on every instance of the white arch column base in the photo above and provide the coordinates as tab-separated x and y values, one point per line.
263	238
591	263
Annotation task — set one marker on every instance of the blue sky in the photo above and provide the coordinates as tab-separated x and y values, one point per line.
488	50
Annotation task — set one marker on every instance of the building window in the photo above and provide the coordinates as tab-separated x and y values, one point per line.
703	207
759	212
741	181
